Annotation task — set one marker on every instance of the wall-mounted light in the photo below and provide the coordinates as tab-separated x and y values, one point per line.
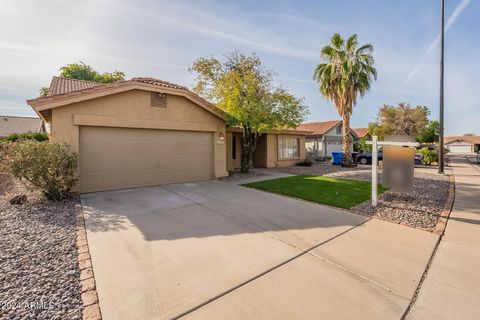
221	138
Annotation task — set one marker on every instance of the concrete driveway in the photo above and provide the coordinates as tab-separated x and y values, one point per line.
214	250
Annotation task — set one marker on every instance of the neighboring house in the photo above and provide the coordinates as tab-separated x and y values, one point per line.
275	148
14	124
135	133
325	137
462	144
362	133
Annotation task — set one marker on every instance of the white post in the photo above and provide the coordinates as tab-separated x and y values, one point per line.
374	170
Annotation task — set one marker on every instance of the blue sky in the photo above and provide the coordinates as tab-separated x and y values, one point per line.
162	38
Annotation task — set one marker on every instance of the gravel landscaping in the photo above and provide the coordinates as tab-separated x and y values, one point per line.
420	208
39	274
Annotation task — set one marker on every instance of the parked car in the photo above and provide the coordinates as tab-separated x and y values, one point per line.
366	157
418	159
478	157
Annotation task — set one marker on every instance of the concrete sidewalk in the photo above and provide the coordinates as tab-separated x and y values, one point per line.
451	289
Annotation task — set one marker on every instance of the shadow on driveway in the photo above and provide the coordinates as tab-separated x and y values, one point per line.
188	211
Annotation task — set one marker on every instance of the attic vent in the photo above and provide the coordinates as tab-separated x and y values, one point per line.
159	100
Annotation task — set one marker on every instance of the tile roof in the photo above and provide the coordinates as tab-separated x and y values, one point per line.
13	124
159	82
318	127
360	132
469	139
64	88
61	85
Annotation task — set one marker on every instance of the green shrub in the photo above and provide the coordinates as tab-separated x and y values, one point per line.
51	167
37	136
429	156
362	145
305	163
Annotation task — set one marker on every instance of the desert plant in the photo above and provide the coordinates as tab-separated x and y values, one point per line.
305	163
429	156
51	167
37	136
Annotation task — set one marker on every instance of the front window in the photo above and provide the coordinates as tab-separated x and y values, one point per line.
288	148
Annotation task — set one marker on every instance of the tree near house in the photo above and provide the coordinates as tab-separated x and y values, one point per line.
402	119
243	88
346	72
83	71
431	132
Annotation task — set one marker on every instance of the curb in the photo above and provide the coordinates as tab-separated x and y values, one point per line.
447	208
91	307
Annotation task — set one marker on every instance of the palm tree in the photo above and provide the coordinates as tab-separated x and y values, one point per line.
347	70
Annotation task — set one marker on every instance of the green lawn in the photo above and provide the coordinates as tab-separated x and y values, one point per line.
341	193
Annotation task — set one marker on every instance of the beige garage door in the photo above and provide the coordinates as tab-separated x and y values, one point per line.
116	158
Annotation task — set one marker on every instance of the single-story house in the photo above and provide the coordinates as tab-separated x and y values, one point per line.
362	133
462	144
324	137
140	132
14	124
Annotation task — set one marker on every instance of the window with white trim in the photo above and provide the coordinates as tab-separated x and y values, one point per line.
288	148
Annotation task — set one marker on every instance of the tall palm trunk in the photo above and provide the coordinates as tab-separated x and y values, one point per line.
347	141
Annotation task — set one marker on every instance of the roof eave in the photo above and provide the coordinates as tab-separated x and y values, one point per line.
51	102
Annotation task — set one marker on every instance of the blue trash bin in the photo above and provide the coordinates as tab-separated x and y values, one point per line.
337	158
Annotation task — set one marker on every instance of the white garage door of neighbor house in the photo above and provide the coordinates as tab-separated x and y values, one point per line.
460	148
117	158
333	147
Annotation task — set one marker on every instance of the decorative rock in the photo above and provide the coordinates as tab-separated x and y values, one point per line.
38	257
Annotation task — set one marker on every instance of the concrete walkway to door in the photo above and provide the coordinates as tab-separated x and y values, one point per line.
211	250
452	287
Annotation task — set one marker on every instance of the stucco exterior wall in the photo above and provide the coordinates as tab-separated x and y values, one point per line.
273	159
132	109
260	154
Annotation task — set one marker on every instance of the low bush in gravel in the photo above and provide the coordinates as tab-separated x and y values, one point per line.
305	163
51	167
429	156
